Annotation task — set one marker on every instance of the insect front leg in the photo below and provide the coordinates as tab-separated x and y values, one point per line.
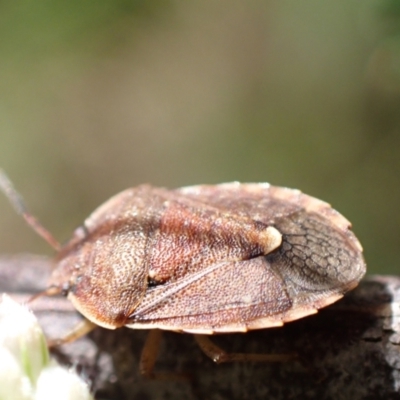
219	356
81	329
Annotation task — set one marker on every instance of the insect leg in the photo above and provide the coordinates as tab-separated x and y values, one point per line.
148	358
219	356
150	352
79	330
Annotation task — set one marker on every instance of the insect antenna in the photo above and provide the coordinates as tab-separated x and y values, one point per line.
17	202
50	291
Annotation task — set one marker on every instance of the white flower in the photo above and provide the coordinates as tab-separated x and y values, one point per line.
26	372
21	334
59	383
14	384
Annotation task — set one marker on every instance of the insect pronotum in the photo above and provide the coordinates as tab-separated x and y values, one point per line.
203	260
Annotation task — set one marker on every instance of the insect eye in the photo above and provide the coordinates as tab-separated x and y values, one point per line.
65	289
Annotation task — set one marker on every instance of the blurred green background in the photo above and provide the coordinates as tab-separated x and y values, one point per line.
98	96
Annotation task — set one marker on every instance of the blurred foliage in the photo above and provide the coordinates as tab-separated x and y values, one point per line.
100	96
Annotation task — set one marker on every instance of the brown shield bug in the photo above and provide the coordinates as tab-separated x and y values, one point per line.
204	259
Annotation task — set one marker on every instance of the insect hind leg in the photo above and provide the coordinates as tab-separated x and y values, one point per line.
219	355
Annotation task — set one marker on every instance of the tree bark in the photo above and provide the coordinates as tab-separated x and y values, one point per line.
350	350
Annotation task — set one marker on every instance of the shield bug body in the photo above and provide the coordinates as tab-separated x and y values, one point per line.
207	259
